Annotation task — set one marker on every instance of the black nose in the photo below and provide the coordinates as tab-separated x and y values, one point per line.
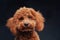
26	24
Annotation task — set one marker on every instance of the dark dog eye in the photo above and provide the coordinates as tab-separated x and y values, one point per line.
29	17
21	18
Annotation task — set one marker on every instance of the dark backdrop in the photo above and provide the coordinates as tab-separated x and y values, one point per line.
48	9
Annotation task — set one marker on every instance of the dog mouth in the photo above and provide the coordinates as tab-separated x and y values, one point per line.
25	31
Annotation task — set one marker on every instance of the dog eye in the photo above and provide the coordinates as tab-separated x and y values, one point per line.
29	17
21	18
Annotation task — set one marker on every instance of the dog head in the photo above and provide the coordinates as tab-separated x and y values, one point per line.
26	19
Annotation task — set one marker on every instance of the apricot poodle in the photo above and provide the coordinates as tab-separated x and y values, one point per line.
24	24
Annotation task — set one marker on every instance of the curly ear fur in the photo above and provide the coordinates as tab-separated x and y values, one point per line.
11	23
39	20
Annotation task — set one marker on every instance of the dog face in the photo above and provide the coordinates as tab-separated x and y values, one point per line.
26	19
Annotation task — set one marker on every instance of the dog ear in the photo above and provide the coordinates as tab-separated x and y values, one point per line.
11	25
39	20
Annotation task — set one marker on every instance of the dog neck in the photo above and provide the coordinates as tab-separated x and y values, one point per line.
24	35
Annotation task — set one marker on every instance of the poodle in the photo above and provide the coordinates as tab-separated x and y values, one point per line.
25	23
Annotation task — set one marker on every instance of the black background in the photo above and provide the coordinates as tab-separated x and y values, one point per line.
49	9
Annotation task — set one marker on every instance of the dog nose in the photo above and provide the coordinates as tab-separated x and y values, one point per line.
26	24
